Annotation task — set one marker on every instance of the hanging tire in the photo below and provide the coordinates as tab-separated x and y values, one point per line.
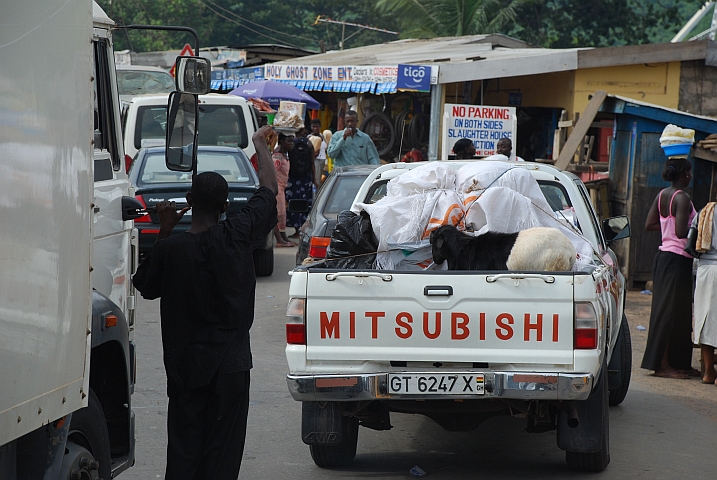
380	128
623	347
263	262
595	461
88	431
418	130
338	455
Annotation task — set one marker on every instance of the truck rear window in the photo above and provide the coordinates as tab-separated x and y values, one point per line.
219	125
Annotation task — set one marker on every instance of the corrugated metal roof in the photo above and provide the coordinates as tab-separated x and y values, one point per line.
470	57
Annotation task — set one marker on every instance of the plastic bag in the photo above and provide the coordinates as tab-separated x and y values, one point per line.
352	242
674	135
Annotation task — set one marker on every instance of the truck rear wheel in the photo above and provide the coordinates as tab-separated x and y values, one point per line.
595	461
341	454
88	430
624	349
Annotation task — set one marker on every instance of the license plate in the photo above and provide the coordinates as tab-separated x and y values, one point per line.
436	384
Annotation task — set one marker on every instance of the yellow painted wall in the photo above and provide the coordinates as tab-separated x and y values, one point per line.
654	83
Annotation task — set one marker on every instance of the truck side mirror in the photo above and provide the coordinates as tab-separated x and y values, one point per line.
616	228
182	129
192	75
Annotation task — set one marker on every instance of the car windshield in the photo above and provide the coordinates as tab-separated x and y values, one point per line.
137	82
229	165
342	194
219	126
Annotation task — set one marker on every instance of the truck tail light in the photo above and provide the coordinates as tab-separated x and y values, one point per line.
586	327
296	322
318	246
127	163
144	218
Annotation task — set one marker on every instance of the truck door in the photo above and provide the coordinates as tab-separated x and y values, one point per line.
112	237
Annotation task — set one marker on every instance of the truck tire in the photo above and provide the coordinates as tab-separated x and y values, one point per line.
88	429
595	461
623	348
263	262
339	455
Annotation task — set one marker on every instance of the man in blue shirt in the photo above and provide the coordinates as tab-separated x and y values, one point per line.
351	146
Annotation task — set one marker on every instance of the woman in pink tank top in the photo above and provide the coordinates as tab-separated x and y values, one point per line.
669	343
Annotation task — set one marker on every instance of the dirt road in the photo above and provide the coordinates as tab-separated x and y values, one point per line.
692	393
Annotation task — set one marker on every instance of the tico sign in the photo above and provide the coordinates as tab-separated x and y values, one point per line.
416	78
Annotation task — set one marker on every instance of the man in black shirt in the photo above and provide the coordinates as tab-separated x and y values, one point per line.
205	278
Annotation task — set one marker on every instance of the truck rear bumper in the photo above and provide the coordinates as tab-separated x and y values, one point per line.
513	385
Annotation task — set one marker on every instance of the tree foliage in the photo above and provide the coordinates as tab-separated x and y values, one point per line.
239	23
547	23
578	23
445	18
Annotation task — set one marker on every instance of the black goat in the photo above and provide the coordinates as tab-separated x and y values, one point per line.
489	251
533	249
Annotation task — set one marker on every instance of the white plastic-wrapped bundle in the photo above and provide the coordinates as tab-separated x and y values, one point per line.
405	219
512	202
499	197
416	202
431	176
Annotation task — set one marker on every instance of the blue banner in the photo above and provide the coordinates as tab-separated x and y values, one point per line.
416	78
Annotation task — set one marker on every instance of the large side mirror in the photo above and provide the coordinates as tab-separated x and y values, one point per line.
616	228
182	129
192	75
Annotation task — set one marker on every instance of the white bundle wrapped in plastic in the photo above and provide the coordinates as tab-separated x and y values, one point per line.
674	135
513	202
416	202
481	196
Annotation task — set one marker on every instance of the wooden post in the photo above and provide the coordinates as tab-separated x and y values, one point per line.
581	128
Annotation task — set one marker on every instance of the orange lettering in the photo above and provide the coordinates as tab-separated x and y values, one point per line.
352	325
404	329
461	325
482	326
504	330
537	326
437	330
329	328
374	316
555	327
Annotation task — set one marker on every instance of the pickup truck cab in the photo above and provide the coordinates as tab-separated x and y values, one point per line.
462	346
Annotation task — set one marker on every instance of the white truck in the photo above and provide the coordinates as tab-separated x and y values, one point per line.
459	346
68	247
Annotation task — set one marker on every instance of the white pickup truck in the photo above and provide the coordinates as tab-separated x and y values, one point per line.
459	346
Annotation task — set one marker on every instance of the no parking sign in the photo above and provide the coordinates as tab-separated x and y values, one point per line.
482	124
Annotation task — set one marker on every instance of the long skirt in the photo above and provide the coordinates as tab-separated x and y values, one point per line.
706	306
301	188
671	313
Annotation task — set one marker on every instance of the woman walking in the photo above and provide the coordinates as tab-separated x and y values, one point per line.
301	179
281	163
669	342
705	299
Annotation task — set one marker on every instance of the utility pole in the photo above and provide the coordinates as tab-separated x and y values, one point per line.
325	19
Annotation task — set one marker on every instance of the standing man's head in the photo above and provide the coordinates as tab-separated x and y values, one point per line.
504	147
464	149
351	120
316	127
208	195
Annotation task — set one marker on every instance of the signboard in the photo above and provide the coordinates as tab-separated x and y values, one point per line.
375	74
483	124
230	79
186	52
415	78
